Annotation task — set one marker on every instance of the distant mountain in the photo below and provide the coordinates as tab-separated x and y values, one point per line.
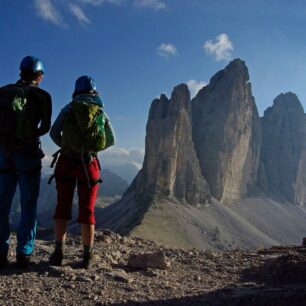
126	171
45	207
199	186
283	150
113	184
112	187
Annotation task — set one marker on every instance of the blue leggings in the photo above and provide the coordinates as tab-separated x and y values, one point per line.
25	171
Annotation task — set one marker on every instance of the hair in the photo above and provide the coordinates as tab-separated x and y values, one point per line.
29	76
81	92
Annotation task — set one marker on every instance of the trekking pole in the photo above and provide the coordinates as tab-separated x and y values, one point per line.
85	168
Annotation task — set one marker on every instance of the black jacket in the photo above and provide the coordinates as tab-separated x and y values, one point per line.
39	106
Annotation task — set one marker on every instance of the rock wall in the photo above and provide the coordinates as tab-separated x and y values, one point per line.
214	150
227	133
171	168
283	154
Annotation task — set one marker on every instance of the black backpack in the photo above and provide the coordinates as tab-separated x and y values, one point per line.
14	122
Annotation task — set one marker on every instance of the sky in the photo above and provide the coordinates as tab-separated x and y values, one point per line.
138	49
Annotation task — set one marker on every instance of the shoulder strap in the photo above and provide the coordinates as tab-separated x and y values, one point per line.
24	88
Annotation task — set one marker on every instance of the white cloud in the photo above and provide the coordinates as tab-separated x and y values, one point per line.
78	13
99	2
154	4
166	50
116	156
194	87
47	11
221	49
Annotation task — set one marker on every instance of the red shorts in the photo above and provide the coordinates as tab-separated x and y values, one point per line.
69	174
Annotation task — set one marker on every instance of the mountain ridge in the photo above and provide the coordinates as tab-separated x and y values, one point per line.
220	134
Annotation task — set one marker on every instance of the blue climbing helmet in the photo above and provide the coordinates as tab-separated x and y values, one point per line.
85	83
32	63
86	86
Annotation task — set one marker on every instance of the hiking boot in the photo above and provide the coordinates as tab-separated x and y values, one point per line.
88	260
24	261
56	258
3	261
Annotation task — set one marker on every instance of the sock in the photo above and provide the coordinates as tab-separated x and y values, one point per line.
60	245
88	248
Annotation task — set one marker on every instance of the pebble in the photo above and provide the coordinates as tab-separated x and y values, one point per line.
95	277
73	277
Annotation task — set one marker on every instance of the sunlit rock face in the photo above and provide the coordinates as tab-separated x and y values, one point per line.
171	168
227	133
283	155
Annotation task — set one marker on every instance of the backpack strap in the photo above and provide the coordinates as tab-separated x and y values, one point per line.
85	168
55	157
51	179
92	182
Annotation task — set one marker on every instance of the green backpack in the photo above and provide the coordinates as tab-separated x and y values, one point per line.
15	121
84	128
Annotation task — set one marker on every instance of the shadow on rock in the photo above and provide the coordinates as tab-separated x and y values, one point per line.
39	267
260	296
283	265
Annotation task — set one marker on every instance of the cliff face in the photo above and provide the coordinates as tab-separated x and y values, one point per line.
283	149
170	173
227	133
171	168
211	146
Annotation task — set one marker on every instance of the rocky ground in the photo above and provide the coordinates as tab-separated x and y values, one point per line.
275	276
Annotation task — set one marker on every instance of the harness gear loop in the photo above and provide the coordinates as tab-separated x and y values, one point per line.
51	179
66	177
85	168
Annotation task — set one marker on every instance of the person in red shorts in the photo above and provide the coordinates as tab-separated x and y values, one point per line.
81	130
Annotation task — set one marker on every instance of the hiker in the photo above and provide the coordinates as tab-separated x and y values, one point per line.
81	130
25	115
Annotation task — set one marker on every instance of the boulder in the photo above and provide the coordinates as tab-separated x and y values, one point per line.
155	260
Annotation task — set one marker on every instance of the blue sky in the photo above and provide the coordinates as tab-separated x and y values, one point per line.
137	49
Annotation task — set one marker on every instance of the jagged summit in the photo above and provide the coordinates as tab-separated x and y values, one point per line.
171	168
286	102
283	155
170	171
204	153
227	133
236	68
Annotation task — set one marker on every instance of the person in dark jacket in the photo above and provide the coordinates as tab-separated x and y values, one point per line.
78	168
20	163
